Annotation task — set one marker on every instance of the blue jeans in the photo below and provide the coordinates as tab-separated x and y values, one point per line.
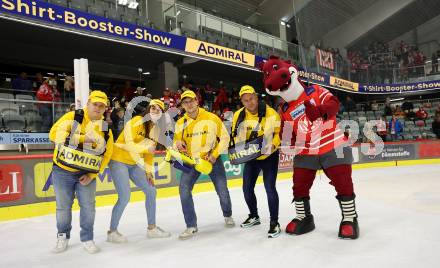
187	181
66	185
121	175
250	175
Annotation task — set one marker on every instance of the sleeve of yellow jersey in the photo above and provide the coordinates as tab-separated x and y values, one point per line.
130	131
273	127
222	135
61	129
178	130
107	155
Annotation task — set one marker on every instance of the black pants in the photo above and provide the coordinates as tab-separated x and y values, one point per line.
250	174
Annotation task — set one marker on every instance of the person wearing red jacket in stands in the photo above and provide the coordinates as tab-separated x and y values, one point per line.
48	93
167	99
421	114
221	99
309	119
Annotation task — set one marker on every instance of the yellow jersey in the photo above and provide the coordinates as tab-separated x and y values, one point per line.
270	127
62	129
203	135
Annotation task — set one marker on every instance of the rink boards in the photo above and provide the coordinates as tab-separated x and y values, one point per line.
26	186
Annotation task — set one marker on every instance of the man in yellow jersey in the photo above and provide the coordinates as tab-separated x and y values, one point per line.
200	133
261	121
84	145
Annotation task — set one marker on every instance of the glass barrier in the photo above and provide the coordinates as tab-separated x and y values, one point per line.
21	113
206	27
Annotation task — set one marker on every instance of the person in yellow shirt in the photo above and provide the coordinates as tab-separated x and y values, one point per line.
201	134
260	121
132	159
83	147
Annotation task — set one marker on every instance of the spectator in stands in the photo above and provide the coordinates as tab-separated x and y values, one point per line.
177	96
421	114
22	83
167	99
221	99
48	93
38	81
411	115
398	112
407	105
69	89
117	117
438	109
395	128
128	92
436	125
349	104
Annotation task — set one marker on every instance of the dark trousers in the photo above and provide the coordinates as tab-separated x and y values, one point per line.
250	174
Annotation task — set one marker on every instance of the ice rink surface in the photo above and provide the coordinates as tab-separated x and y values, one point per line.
399	216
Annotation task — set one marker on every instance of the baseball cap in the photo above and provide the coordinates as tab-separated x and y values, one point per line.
98	96
246	89
188	94
158	103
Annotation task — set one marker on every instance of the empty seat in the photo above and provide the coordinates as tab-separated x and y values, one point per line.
14	121
9	108
6	96
33	123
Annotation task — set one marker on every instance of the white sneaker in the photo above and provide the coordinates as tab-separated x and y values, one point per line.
90	247
188	233
116	237
157	232
62	243
229	222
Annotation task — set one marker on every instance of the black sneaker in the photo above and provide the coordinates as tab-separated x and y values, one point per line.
274	230
251	221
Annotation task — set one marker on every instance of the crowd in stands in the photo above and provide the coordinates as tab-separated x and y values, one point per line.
404	121
400	122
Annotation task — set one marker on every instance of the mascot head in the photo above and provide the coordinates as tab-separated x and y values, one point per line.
281	78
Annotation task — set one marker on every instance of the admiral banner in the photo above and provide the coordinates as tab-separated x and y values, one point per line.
218	52
344	84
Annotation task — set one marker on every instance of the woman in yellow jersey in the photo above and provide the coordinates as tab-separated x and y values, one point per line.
132	159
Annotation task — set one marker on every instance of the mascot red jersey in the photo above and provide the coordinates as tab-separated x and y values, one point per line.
309	115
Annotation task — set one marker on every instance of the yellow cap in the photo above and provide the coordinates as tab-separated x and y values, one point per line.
246	89
188	94
158	103
98	96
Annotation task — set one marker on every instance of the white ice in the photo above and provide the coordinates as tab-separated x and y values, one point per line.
399	216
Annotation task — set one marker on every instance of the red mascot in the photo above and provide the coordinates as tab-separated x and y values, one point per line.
318	144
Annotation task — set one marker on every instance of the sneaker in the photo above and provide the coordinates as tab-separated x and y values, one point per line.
116	237
274	230
229	222
251	221
157	232
188	233
62	243
90	247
